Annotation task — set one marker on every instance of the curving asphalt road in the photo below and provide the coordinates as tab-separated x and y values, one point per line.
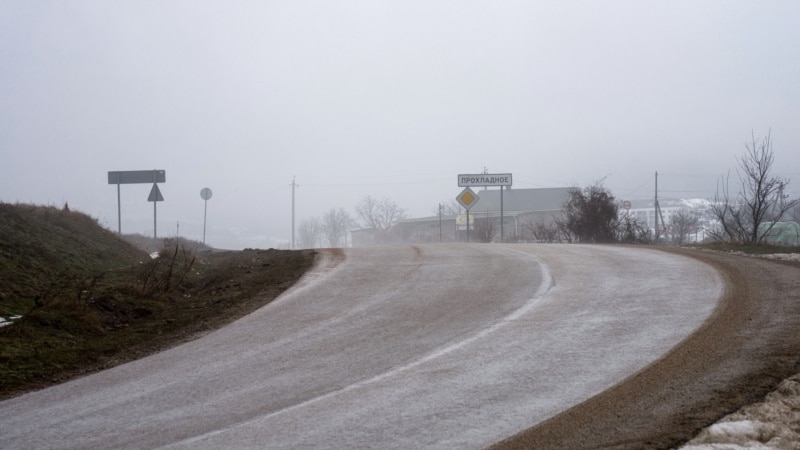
446	346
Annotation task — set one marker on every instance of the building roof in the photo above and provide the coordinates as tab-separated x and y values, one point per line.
542	199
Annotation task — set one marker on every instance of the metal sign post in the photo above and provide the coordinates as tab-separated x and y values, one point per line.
136	177
205	194
467	198
467	225
293	185
155	197
486	180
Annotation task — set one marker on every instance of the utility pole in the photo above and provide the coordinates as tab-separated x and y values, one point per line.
655	209
502	237
658	212
293	185
440	222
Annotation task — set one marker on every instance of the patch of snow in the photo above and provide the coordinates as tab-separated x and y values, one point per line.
5	322
726	447
771	424
783	256
777	256
742	431
697	202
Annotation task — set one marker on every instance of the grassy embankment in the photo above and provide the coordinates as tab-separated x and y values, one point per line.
88	300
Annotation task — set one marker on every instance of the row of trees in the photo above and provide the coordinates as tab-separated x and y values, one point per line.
746	216
591	214
331	230
577	227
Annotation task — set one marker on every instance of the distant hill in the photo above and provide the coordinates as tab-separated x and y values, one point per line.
41	244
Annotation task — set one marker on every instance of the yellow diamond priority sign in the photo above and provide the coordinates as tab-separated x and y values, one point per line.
467	198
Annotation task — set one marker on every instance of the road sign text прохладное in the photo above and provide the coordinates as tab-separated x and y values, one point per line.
484	179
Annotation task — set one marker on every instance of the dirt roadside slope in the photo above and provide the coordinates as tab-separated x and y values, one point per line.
743	352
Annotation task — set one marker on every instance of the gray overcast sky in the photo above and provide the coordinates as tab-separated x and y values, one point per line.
387	98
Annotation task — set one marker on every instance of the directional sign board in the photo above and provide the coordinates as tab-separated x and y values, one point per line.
137	176
467	198
484	179
134	177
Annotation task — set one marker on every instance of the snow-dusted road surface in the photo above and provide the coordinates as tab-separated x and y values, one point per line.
450	346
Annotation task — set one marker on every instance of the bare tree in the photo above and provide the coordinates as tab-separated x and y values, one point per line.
449	208
758	202
731	220
379	214
310	232
683	222
795	212
335	224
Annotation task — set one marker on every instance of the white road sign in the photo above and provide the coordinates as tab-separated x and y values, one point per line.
484	179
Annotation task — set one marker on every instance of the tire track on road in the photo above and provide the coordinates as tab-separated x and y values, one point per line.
547	283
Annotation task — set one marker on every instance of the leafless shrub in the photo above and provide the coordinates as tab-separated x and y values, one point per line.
629	230
683	222
541	232
167	271
486	228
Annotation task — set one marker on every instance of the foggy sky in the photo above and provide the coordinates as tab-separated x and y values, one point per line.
391	99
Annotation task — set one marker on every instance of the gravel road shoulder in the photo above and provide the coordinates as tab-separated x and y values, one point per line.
745	350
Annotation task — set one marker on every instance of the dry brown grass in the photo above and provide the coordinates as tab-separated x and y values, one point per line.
89	300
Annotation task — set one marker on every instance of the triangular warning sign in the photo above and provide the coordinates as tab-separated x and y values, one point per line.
155	194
